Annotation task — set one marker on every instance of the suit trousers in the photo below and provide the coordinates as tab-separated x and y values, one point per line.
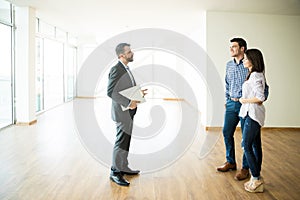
121	146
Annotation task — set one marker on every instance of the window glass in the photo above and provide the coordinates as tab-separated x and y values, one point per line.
53	73
70	71
6	106
61	35
39	73
5	12
37	26
72	40
56	64
46	29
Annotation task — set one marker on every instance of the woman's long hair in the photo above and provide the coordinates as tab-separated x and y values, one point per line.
256	58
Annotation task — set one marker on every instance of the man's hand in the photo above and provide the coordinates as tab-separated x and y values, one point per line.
133	104
144	92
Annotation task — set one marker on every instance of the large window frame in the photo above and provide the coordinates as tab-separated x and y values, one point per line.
7	21
46	32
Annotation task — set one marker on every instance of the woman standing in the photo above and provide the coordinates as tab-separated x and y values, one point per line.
252	113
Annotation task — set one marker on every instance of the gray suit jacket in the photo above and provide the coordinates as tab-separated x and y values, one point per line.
118	80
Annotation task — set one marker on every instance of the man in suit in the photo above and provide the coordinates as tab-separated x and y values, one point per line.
120	78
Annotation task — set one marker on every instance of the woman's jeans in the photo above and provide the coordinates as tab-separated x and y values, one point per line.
251	144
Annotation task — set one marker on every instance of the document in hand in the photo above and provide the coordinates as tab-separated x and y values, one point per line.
133	93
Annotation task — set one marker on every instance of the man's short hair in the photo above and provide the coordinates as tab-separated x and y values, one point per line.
120	48
241	42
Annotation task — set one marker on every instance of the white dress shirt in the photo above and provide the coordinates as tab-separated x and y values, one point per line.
254	87
131	78
129	73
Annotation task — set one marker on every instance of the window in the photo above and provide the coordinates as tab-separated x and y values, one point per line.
53	73
5	12
39	73
55	67
70	73
6	81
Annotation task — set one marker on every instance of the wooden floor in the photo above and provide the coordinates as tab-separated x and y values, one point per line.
47	161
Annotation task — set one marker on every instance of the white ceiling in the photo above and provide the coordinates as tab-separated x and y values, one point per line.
90	17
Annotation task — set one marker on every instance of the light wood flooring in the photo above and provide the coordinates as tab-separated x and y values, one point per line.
47	161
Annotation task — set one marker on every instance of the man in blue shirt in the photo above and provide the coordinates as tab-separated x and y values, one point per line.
234	79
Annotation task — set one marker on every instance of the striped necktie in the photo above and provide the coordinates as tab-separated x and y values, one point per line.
131	76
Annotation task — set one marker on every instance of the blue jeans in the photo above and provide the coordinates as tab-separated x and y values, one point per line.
252	145
231	120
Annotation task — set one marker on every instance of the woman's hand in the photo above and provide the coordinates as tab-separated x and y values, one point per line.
243	100
251	100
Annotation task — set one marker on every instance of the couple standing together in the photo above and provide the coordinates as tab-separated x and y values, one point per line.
245	91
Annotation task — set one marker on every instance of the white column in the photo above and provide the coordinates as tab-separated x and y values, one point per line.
25	65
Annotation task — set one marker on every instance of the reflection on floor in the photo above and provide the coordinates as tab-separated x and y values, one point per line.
49	161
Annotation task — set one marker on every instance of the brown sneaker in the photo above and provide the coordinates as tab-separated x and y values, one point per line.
241	175
226	167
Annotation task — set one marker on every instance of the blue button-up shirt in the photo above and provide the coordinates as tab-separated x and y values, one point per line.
235	76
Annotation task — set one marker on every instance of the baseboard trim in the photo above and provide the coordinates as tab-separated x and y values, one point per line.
218	128
26	123
213	128
173	99
96	97
86	97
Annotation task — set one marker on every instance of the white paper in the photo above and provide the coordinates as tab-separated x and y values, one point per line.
133	93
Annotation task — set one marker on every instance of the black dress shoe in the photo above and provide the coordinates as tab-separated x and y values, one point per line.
129	171
119	179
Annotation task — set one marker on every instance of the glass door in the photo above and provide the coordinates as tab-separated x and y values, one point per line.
39	73
70	73
6	95
53	73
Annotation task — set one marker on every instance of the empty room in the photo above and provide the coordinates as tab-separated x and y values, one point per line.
153	100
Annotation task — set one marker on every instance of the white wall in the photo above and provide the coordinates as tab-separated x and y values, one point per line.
188	23
278	38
